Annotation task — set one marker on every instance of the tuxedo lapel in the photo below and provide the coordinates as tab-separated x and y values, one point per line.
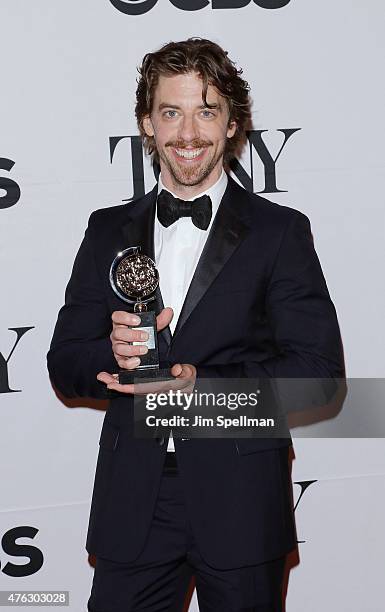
226	234
139	228
139	231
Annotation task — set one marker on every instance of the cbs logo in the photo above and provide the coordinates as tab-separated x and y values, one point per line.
10	547
10	187
139	7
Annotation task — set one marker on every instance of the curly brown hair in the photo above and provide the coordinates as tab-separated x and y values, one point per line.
214	67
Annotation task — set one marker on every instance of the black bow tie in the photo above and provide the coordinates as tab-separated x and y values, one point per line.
170	209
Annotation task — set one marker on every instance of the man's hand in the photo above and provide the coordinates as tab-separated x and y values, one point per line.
127	356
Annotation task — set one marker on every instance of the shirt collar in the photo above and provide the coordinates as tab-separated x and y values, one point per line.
215	192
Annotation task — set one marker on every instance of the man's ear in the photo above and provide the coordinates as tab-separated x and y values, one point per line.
231	129
147	126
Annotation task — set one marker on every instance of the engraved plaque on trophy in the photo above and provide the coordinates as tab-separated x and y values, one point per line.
134	278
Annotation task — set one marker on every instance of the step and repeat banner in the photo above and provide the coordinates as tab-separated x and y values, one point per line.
69	145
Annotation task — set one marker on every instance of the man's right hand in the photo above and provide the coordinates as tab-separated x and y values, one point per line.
126	354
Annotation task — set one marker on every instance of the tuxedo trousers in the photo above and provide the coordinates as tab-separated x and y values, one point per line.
158	580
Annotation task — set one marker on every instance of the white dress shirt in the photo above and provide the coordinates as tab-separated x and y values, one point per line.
177	252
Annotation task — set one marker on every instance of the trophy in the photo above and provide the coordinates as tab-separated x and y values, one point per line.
134	278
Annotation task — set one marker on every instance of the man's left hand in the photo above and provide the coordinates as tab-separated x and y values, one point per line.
184	373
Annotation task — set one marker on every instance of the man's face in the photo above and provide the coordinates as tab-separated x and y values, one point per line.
189	136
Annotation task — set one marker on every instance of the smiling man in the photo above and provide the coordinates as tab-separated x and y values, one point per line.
245	297
190	134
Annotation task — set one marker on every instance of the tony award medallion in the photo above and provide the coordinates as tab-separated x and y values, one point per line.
134	278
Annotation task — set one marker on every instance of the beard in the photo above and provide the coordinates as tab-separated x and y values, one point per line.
195	173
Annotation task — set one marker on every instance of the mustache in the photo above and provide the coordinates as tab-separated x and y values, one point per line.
197	143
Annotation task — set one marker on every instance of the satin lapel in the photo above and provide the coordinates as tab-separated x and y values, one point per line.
166	332
139	231
227	232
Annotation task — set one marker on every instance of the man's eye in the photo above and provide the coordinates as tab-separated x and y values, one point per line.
170	114
207	113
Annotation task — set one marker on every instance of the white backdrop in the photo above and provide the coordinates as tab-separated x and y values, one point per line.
68	74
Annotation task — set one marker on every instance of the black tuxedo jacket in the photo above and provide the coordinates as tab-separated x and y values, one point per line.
257	306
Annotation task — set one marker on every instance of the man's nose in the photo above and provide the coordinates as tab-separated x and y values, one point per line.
188	129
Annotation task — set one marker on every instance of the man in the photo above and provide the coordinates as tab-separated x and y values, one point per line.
245	298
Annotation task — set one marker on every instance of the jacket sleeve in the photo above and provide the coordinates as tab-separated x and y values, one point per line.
81	346
302	318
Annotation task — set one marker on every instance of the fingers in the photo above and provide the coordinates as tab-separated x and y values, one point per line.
185	376
121	317
122	333
111	381
122	349
123	336
127	354
127	389
107	378
125	341
176	369
183	370
127	363
164	318
152	387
